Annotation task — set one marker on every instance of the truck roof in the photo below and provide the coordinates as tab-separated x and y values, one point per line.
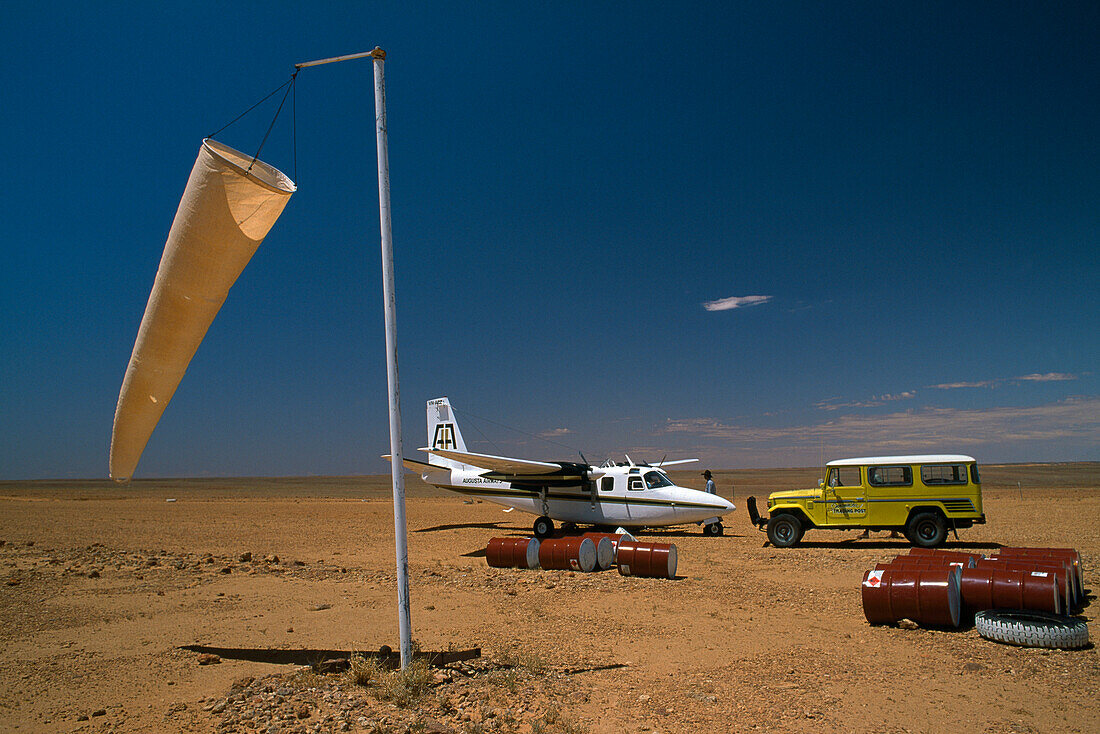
914	459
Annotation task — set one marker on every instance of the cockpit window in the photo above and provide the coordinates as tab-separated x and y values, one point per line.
655	479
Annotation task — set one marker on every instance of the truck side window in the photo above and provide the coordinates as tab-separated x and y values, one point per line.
974	474
943	474
607	484
890	476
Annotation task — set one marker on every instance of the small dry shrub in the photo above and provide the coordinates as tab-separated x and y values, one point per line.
306	678
553	721
506	679
364	671
525	660
405	687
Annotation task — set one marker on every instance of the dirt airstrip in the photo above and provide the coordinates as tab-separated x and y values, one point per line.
100	585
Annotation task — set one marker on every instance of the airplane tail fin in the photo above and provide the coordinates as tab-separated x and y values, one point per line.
443	432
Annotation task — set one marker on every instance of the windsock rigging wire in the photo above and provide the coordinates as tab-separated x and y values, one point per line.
289	85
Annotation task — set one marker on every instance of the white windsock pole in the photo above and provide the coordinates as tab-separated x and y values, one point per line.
404	622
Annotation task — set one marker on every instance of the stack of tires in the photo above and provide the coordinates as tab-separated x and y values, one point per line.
1022	596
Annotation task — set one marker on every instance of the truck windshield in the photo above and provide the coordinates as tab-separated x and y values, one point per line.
655	479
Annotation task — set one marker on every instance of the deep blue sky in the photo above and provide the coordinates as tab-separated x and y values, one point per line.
914	189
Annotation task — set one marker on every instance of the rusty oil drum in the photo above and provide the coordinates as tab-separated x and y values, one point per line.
973	558
992	587
927	596
613	539
572	553
932	561
513	552
1059	570
605	549
653	560
1069	555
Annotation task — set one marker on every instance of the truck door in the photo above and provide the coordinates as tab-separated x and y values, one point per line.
845	498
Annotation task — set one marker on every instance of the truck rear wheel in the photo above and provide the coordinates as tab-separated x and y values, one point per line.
784	531
926	529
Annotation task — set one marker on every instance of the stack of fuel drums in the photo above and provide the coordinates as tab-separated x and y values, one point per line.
587	552
940	588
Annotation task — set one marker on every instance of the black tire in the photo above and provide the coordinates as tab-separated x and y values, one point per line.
543	528
784	531
1031	629
714	529
926	529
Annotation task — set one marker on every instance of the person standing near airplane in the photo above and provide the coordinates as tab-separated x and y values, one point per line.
711	488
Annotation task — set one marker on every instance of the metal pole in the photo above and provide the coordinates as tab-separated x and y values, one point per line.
397	470
334	59
404	623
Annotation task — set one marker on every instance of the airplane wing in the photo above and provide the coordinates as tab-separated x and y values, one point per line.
417	466
502	464
677	461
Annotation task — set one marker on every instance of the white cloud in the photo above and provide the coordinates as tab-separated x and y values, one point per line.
874	402
1047	377
726	304
555	432
1034	377
907	395
957	385
913	431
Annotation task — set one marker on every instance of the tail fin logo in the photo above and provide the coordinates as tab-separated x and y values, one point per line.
444	437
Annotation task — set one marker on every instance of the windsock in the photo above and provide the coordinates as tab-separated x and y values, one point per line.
229	205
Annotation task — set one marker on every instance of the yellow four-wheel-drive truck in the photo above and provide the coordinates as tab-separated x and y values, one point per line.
922	496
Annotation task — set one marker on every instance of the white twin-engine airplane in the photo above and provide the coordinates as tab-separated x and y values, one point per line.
612	494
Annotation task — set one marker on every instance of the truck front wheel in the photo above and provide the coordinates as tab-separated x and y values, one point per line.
926	529
784	531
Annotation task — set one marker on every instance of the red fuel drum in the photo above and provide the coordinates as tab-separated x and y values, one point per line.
937	553
1057	569
575	553
655	560
1070	555
916	565
926	596
605	548
513	552
991	587
932	561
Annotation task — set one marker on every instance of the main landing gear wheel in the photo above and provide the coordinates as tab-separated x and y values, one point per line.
544	527
784	531
715	528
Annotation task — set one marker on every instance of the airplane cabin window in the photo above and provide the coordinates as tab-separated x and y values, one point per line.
607	484
655	479
635	484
